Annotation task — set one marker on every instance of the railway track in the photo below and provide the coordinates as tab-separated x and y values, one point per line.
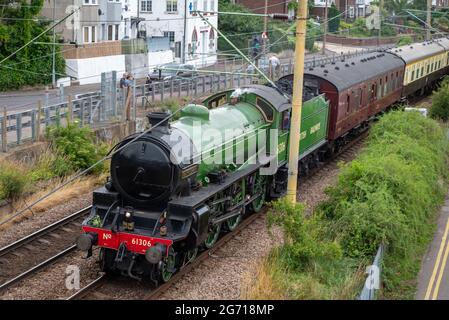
30	254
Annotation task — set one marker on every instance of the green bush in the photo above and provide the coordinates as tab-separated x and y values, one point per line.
405	40
75	147
303	239
440	102
12	180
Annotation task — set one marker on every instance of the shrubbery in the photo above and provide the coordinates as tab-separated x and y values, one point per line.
75	148
12	180
389	195
71	149
405	40
440	102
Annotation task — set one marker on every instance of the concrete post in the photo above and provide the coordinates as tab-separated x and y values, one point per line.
4	131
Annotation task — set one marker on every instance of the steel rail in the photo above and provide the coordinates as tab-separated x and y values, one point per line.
38	234
36	268
83	292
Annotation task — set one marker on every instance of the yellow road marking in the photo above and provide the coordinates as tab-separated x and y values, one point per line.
437	262
440	276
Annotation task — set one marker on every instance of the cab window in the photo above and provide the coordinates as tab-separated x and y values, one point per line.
217	101
285	121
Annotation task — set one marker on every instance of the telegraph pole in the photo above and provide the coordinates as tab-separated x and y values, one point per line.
325	29
53	74
428	20
295	127
265	27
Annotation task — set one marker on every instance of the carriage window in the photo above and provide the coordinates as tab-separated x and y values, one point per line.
373	92
428	68
354	100
422	71
360	98
348	103
413	75
265	108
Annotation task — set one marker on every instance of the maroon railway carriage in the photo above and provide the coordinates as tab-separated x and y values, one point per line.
358	88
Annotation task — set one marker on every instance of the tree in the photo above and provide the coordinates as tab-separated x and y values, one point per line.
33	64
334	23
239	29
396	7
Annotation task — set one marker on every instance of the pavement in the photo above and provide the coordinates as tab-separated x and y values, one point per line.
433	279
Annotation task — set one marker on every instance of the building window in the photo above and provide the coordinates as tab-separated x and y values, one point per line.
194	41
211	40
212	5
178	49
146	5
195	5
172	5
170	35
113	32
110	32
90	2
205	5
89	34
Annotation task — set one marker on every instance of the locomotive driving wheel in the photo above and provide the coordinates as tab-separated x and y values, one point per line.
217	208
260	188
237	195
212	237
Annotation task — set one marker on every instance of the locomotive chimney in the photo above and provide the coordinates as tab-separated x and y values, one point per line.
159	119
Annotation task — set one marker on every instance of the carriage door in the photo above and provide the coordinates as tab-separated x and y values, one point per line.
283	135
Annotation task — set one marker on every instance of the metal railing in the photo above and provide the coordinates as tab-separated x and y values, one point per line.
372	282
95	109
28	125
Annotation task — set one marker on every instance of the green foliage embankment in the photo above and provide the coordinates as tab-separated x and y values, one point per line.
390	194
70	149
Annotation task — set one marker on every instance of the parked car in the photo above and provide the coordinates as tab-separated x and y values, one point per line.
171	71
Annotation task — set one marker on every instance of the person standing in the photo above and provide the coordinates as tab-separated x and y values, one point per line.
275	64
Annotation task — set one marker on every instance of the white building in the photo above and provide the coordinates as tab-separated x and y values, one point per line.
191	39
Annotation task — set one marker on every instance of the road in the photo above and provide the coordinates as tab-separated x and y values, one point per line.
433	281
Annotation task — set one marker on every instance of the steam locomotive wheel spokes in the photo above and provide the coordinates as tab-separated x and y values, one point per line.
212	237
260	187
167	269
237	197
